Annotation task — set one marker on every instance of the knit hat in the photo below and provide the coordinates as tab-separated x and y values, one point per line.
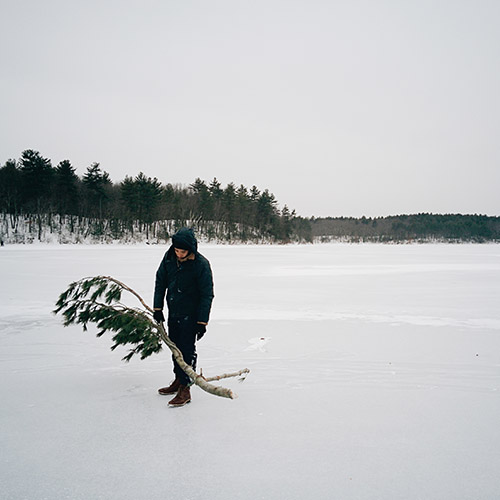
185	240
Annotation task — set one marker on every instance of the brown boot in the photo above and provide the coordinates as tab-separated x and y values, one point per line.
171	389
182	398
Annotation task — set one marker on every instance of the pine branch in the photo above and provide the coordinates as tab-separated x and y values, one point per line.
97	300
133	292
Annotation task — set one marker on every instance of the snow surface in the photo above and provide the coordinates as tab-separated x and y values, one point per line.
375	374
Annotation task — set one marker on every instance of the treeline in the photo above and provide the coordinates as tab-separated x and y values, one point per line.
39	201
35	193
419	227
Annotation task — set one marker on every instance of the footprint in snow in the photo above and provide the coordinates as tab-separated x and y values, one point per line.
258	343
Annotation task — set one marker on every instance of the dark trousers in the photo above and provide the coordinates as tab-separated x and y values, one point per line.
183	332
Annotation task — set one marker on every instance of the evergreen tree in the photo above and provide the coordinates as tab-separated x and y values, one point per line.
254	199
266	211
10	184
216	192
141	197
203	199
36	181
37	176
242	203
96	182
229	203
286	225
243	211
66	188
254	194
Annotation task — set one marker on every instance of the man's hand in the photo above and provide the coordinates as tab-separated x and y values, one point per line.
200	330
158	316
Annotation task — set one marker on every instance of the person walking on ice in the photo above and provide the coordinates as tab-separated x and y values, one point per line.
186	278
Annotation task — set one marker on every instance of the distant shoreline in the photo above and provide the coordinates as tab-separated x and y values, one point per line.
401	229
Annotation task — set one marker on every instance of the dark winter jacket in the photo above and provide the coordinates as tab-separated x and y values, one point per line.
189	284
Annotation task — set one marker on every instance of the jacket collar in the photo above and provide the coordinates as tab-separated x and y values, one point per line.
189	256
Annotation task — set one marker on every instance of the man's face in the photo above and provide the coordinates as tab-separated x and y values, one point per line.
180	253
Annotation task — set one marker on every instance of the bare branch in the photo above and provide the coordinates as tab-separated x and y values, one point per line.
228	375
198	379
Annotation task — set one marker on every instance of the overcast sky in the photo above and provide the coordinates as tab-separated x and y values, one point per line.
355	107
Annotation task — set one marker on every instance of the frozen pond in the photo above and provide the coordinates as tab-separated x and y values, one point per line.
375	374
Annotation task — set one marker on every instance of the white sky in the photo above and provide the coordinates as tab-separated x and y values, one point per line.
352	107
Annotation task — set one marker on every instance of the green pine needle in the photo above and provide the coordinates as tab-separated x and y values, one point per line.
79	304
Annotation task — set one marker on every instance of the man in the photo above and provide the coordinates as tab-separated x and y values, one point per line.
186	276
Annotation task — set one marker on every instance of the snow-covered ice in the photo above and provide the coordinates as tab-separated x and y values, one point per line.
375	374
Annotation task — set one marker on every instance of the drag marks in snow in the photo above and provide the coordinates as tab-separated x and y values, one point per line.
12	325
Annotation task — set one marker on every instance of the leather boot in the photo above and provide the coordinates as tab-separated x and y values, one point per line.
182	398
171	389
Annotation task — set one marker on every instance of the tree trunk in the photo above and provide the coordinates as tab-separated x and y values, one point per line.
198	379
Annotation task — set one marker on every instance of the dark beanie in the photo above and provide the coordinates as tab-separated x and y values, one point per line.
185	240
180	243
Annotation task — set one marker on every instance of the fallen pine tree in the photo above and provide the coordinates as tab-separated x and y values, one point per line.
97	300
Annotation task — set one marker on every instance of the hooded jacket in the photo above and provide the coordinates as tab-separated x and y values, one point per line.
188	283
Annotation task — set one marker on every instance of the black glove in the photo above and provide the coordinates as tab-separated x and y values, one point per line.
200	330
158	316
